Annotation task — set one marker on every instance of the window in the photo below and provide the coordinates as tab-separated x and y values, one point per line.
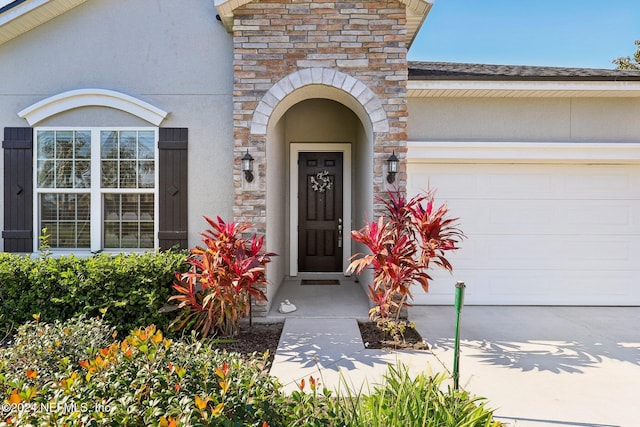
96	188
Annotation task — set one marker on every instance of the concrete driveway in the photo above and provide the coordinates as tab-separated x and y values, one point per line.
545	366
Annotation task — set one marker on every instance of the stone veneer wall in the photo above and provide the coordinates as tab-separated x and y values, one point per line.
273	39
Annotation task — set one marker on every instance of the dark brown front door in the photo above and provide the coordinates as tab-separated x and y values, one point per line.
320	212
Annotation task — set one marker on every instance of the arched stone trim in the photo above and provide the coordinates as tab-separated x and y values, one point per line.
88	98
319	76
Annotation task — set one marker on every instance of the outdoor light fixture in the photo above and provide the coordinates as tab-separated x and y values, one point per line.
392	163
247	166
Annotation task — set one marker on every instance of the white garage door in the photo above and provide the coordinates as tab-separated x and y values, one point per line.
539	234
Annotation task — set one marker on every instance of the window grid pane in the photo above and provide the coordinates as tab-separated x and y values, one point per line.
127	159
128	220
66	218
64	159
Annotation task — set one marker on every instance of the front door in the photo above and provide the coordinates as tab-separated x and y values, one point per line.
320	211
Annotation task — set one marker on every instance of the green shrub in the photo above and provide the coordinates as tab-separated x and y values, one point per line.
402	400
132	286
399	401
145	379
47	348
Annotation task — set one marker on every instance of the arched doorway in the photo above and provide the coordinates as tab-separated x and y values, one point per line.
313	111
323	167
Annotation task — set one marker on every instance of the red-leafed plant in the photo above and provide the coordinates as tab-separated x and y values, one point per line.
229	269
405	243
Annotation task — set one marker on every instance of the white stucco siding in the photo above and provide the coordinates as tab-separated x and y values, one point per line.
161	46
608	119
524	119
176	58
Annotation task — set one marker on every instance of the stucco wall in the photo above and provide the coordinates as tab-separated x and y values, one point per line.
145	49
524	119
277	197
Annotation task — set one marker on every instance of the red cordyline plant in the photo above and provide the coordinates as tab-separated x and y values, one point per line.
215	293
412	237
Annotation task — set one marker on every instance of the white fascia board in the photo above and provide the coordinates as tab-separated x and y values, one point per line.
522	152
92	97
551	86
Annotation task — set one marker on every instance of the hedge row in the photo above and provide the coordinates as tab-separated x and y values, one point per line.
132	287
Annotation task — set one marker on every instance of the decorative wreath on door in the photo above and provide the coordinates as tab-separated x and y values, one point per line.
321	182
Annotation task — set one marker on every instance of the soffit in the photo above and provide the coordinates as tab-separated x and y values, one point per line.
510	89
417	11
18	17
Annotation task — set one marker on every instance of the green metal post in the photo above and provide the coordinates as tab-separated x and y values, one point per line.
456	352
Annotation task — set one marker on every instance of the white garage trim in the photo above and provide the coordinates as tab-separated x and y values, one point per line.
522	152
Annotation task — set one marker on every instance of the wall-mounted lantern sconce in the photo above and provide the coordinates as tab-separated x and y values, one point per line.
247	166
392	163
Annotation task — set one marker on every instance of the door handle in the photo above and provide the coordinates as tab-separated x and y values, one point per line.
339	232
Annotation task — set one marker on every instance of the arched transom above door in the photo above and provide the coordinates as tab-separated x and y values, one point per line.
311	83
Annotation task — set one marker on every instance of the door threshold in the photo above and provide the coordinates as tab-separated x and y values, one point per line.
337	275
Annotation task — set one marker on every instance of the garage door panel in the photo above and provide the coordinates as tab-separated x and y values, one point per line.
546	252
457	184
624	183
565	217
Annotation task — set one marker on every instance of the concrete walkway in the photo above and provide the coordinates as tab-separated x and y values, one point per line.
538	366
332	351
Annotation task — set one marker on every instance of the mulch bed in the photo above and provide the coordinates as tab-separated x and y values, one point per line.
265	336
374	338
258	338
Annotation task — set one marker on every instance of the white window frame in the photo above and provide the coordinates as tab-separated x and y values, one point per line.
95	190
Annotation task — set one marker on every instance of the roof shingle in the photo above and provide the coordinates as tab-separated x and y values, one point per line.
461	71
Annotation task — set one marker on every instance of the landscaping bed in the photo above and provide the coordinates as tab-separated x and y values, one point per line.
261	337
257	338
374	338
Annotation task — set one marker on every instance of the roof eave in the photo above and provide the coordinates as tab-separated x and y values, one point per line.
417	11
20	16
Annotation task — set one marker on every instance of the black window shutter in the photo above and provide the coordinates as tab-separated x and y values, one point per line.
172	191
18	189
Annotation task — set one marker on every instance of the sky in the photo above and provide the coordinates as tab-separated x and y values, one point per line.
563	33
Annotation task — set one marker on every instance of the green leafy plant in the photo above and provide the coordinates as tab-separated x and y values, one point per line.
134	288
49	347
405	243
224	274
144	379
44	245
421	401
